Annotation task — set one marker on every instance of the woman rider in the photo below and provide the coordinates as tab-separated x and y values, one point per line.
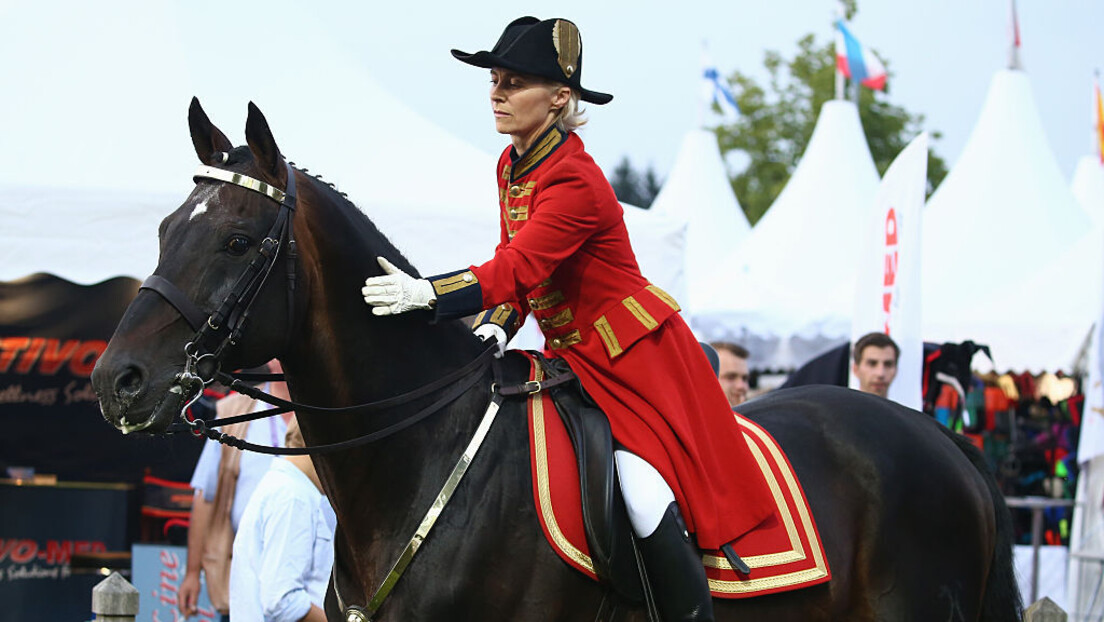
565	257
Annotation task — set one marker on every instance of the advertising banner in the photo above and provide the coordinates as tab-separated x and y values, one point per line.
887	288
52	332
157	571
41	529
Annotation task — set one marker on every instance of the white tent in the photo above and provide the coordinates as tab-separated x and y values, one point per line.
1001	237
96	147
115	117
787	292
698	191
1088	186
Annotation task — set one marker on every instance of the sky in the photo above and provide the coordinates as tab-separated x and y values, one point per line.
943	54
74	71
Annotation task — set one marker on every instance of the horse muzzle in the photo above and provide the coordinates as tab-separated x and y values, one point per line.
128	400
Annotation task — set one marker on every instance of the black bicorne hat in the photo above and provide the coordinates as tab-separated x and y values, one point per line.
551	49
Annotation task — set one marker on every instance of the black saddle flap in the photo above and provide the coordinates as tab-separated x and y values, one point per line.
605	519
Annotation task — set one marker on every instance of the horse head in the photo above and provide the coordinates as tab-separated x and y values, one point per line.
207	246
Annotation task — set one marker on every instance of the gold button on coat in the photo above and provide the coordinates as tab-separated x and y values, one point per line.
515	191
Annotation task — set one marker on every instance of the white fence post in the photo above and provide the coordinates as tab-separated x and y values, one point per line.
114	600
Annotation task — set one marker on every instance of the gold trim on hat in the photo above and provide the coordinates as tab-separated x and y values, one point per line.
565	36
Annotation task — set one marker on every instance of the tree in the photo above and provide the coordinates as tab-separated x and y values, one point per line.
776	123
633	187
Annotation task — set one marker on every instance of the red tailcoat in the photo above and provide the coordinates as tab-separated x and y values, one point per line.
565	257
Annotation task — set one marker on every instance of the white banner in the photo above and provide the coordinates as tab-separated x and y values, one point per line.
887	287
1091	443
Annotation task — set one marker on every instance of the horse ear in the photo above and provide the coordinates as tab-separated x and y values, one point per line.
207	138
263	146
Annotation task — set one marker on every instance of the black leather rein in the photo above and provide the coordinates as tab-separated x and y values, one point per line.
463	379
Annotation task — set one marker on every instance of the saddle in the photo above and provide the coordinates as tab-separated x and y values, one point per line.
605	519
583	516
608	532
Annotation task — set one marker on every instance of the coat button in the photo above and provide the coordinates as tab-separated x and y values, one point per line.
513	213
515	191
467	277
555	343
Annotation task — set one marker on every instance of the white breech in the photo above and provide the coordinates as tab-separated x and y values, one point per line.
646	494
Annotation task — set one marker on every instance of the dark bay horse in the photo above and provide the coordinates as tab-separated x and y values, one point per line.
913	525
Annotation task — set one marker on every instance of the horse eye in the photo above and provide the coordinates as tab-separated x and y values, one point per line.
238	245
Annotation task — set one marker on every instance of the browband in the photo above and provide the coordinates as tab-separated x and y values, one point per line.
244	181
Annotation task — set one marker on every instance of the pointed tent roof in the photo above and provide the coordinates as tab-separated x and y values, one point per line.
699	192
114	117
997	236
1088	186
108	108
787	292
96	149
1003	210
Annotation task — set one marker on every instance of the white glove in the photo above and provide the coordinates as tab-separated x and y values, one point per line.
486	331
396	291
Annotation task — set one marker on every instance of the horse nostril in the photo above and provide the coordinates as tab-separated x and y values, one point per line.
129	382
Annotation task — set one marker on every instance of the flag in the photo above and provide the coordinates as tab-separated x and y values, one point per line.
1099	120
1014	37
887	283
1014	26
715	89
856	61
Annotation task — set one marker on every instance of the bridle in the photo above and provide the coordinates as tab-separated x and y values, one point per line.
216	332
223	328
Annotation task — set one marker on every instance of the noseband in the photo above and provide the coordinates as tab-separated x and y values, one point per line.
224	327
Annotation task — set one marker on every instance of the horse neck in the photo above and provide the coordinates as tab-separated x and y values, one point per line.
343	355
365	356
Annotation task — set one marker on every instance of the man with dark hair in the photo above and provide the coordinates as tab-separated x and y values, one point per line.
733	372
875	363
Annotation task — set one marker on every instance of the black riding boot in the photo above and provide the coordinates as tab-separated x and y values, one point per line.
675	571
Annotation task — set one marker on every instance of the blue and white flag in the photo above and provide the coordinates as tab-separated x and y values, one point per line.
715	89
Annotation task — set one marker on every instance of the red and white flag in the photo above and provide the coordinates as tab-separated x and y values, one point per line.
1014	37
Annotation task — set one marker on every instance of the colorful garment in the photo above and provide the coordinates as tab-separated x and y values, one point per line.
565	257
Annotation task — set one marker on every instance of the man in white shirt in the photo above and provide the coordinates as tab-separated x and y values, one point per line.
252	467
283	550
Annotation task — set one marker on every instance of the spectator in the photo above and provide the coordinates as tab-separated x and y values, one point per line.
875	363
223	480
283	552
734	371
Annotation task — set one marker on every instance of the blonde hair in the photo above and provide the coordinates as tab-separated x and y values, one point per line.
571	117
